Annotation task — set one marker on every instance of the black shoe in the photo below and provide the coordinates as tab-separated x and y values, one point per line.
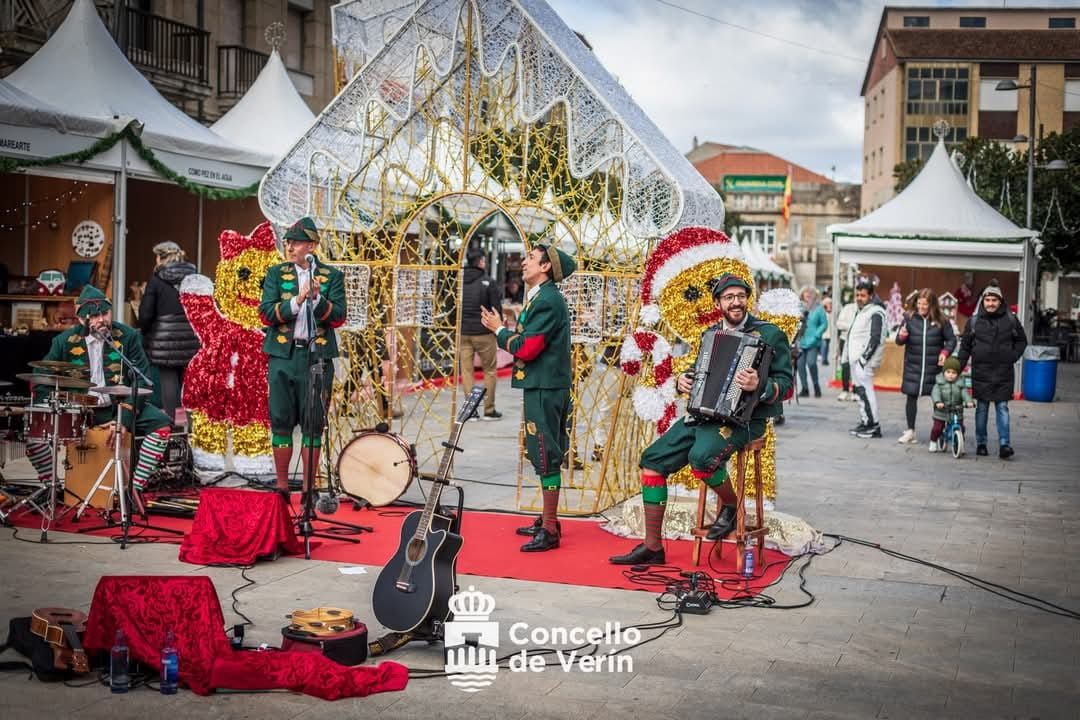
871	431
724	524
640	555
861	427
981	450
542	541
817	392
778	420
493	415
530	530
804	393
1005	452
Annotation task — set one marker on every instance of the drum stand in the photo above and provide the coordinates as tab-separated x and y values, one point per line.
48	510
316	402
116	464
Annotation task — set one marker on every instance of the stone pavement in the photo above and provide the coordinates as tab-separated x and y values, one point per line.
884	639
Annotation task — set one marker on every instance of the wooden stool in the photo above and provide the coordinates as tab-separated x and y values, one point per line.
742	532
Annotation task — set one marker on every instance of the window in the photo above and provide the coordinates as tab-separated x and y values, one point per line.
882	104
1072	96
990	98
919	142
972	22
880	160
916	21
294	39
937	90
866	114
764	234
1062	23
873	111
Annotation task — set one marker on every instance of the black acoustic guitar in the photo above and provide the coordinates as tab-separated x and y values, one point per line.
416	584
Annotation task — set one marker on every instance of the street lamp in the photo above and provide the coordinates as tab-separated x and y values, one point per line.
1012	85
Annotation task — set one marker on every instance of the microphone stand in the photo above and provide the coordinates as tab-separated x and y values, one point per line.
122	488
316	403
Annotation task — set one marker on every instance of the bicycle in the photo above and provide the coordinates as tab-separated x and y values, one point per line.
953	435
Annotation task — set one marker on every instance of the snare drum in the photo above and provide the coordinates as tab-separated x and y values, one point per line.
38	422
376	467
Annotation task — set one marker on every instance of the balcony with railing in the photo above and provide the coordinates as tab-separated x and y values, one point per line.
238	67
165	47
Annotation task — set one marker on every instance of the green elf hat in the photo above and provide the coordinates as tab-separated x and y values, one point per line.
91	302
562	265
728	280
303	230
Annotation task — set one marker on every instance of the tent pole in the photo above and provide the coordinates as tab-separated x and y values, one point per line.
837	300
198	236
26	227
120	235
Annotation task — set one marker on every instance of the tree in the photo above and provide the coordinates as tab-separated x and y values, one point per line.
999	176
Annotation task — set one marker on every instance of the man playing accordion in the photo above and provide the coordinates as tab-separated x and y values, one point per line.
706	445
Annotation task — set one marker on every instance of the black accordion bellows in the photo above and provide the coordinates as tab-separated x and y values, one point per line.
715	396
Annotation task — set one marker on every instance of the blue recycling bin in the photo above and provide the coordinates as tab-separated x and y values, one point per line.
1040	373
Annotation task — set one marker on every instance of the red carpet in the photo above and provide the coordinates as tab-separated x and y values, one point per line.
491	548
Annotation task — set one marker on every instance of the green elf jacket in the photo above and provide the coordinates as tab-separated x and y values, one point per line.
70	346
279	287
540	343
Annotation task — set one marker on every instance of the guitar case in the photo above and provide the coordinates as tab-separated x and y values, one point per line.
345	648
34	648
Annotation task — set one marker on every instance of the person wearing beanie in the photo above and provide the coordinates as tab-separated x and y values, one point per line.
478	291
993	340
96	344
706	445
947	397
292	291
540	344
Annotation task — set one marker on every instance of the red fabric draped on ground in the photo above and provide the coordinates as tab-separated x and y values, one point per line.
235	527
145	607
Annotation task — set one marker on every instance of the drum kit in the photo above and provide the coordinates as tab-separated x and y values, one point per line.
64	419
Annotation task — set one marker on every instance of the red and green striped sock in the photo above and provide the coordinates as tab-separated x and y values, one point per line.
150	455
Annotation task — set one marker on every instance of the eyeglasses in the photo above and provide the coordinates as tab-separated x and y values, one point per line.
732	297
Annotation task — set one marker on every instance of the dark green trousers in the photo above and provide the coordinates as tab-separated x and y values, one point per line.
705	447
546	414
289	393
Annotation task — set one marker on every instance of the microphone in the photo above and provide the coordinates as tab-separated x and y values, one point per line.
101	334
310	260
327	504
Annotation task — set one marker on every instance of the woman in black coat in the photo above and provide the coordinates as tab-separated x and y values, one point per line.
928	339
167	335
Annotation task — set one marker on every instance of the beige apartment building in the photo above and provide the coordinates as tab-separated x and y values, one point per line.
200	54
931	64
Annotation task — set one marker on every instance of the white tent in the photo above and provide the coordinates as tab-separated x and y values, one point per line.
271	116
939	222
82	70
760	263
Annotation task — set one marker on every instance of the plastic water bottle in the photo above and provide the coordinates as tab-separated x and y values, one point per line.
170	665
119	680
748	559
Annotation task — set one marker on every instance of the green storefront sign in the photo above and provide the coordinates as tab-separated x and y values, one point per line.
754	184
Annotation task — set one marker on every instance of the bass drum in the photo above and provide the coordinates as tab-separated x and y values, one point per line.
377	467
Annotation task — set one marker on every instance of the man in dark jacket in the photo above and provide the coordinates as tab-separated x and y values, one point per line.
479	291
170	342
994	341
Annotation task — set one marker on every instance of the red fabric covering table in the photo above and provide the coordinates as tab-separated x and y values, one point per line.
234	527
146	607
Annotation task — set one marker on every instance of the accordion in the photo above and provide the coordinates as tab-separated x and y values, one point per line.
715	396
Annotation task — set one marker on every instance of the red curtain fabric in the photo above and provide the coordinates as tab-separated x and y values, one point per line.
234	527
146	607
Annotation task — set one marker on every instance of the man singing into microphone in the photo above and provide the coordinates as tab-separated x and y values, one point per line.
96	344
303	300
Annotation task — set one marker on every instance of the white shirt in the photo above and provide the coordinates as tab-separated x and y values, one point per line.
300	330
95	349
739	327
532	293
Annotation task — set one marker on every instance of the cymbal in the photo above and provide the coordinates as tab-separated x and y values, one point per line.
6	383
118	390
64	381
58	366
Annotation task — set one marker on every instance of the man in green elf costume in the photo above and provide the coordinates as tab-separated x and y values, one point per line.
95	344
540	345
290	290
707	445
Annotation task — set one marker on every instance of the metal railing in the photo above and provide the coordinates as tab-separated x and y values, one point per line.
165	45
237	69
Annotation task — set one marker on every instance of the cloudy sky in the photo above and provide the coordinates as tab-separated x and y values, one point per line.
797	97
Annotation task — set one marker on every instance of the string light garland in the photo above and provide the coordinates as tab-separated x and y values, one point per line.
74	194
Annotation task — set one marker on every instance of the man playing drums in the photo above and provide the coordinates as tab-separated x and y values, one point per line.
93	344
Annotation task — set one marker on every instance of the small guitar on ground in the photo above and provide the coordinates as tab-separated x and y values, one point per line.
61	627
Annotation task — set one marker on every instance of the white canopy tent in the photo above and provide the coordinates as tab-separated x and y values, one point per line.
939	222
83	71
760	263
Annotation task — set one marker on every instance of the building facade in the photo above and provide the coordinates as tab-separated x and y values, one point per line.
752	183
931	64
200	54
